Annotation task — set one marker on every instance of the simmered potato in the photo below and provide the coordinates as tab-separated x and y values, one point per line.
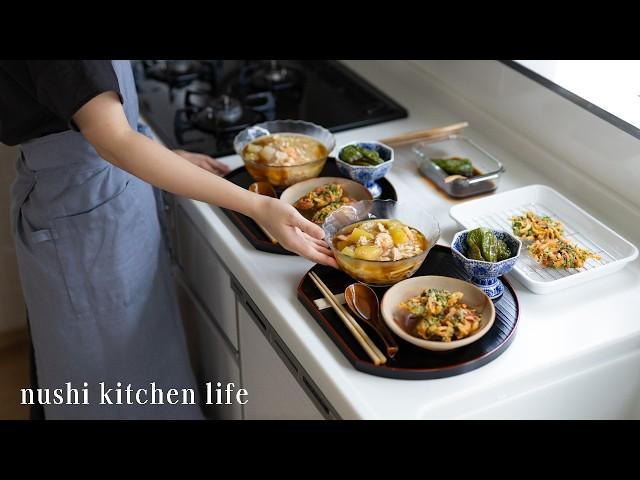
341	244
349	251
380	240
357	233
368	252
398	235
267	153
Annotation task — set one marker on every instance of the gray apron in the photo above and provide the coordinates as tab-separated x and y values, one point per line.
96	278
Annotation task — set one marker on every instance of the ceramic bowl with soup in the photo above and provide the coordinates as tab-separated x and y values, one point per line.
284	152
380	242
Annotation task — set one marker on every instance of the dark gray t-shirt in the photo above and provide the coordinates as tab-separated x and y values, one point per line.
39	97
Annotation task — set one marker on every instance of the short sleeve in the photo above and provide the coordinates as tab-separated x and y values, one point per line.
64	86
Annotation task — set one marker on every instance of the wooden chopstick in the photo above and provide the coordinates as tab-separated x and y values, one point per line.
266	232
424	134
356	330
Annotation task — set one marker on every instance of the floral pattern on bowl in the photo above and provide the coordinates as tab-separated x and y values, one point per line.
367	175
485	274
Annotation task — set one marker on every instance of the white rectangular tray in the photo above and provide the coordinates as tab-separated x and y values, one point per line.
580	227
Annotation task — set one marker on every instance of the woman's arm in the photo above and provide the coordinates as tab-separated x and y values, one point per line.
103	123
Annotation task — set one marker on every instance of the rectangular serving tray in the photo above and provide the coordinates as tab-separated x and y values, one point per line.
580	227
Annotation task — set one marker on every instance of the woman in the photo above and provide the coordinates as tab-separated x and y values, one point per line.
92	259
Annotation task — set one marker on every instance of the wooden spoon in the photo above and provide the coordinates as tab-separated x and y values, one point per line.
453	178
363	301
263	188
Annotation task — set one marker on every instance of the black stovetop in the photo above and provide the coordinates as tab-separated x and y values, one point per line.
200	105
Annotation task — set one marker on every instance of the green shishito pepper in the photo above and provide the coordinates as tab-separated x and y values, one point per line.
483	245
503	250
455	165
357	155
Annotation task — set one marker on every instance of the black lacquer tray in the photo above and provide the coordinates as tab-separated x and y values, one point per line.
411	362
250	229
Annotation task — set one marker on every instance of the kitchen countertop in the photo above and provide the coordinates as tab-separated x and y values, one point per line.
558	334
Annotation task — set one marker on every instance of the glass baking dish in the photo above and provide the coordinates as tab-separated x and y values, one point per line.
486	168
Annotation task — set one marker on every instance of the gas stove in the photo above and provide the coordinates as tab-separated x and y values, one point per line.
201	105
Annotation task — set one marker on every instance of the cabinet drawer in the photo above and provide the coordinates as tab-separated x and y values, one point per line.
273	391
212	357
205	275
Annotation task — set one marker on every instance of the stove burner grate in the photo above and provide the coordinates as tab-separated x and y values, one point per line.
222	115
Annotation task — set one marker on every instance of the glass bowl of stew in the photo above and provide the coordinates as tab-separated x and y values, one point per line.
372	259
284	152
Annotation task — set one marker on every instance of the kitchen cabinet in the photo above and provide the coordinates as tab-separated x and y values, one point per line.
273	390
230	341
205	274
213	359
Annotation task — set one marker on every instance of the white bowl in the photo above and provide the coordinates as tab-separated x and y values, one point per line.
473	297
354	190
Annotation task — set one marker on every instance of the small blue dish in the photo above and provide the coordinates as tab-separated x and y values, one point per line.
483	274
367	175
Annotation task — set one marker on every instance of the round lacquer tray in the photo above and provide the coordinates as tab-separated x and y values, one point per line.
254	233
411	362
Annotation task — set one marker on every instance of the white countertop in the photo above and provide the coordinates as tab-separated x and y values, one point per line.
557	333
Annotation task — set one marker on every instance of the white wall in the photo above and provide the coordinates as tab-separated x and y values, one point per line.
12	314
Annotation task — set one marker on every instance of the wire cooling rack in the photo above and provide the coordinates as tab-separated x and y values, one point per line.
502	221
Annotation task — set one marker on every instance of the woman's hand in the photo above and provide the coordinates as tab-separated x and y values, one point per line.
292	230
204	161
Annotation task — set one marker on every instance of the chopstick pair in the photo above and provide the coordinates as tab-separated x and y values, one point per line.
411	137
356	330
266	232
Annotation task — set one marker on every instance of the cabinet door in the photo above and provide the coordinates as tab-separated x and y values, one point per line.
213	358
205	275
273	392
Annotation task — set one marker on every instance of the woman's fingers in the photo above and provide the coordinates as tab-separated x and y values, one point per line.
318	256
320	243
324	250
211	164
204	161
308	227
218	167
308	247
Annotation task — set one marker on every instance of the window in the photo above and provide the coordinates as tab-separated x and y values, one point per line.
608	88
